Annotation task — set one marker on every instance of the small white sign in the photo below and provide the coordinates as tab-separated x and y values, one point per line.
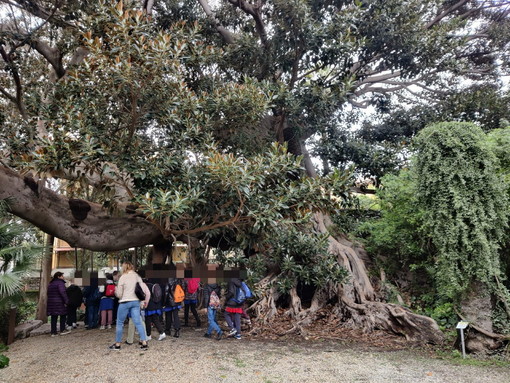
462	324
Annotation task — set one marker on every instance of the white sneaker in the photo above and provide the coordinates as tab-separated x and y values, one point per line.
102	328
232	332
109	326
75	325
69	328
162	336
65	332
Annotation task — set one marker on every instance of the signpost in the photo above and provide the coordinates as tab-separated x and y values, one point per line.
461	326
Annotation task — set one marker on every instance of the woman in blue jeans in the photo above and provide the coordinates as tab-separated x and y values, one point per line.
128	303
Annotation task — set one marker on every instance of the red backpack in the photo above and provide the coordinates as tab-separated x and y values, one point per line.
110	290
192	284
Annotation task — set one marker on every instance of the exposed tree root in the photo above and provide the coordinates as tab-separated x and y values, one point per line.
355	306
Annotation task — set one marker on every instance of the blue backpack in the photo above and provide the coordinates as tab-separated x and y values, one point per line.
243	293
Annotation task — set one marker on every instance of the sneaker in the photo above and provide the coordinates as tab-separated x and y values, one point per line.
176	333
114	347
162	336
149	338
65	332
102	328
69	328
232	332
52	335
75	325
109	326
206	335
144	347
237	336
219	336
129	344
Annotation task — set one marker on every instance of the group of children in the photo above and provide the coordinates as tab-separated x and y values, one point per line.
162	307
178	293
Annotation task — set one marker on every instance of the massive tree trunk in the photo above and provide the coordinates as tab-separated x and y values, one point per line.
41	313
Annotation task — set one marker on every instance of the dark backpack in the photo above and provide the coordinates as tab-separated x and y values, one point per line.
156	293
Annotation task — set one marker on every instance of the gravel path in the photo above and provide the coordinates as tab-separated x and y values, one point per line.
82	356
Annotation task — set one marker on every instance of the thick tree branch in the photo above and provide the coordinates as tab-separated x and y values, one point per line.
79	223
227	36
52	55
445	13
18	100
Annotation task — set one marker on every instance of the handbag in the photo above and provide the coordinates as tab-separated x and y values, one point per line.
139	292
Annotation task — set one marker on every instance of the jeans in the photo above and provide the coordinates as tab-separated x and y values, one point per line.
133	308
92	316
211	318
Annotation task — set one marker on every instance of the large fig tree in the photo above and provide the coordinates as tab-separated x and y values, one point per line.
160	117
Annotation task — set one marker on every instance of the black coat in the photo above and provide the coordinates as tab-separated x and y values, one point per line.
209	288
233	285
153	306
75	295
168	300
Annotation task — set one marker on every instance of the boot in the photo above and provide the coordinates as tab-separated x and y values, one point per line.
176	333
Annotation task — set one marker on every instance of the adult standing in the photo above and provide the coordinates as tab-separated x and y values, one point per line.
57	303
128	304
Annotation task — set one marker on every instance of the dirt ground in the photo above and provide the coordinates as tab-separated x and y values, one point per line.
82	356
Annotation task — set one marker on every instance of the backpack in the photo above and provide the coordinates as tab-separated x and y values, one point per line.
214	301
192	285
247	290
178	294
242	293
110	290
156	293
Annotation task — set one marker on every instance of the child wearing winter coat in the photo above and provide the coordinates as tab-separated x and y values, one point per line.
212	302
106	303
154	310
233	309
171	307
191	288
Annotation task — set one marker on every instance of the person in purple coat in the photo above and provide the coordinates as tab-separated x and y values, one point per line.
57	303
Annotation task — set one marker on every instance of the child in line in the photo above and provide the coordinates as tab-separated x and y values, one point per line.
191	287
233	309
106	303
212	302
172	305
154	310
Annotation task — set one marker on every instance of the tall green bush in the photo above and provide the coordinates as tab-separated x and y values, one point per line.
465	205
